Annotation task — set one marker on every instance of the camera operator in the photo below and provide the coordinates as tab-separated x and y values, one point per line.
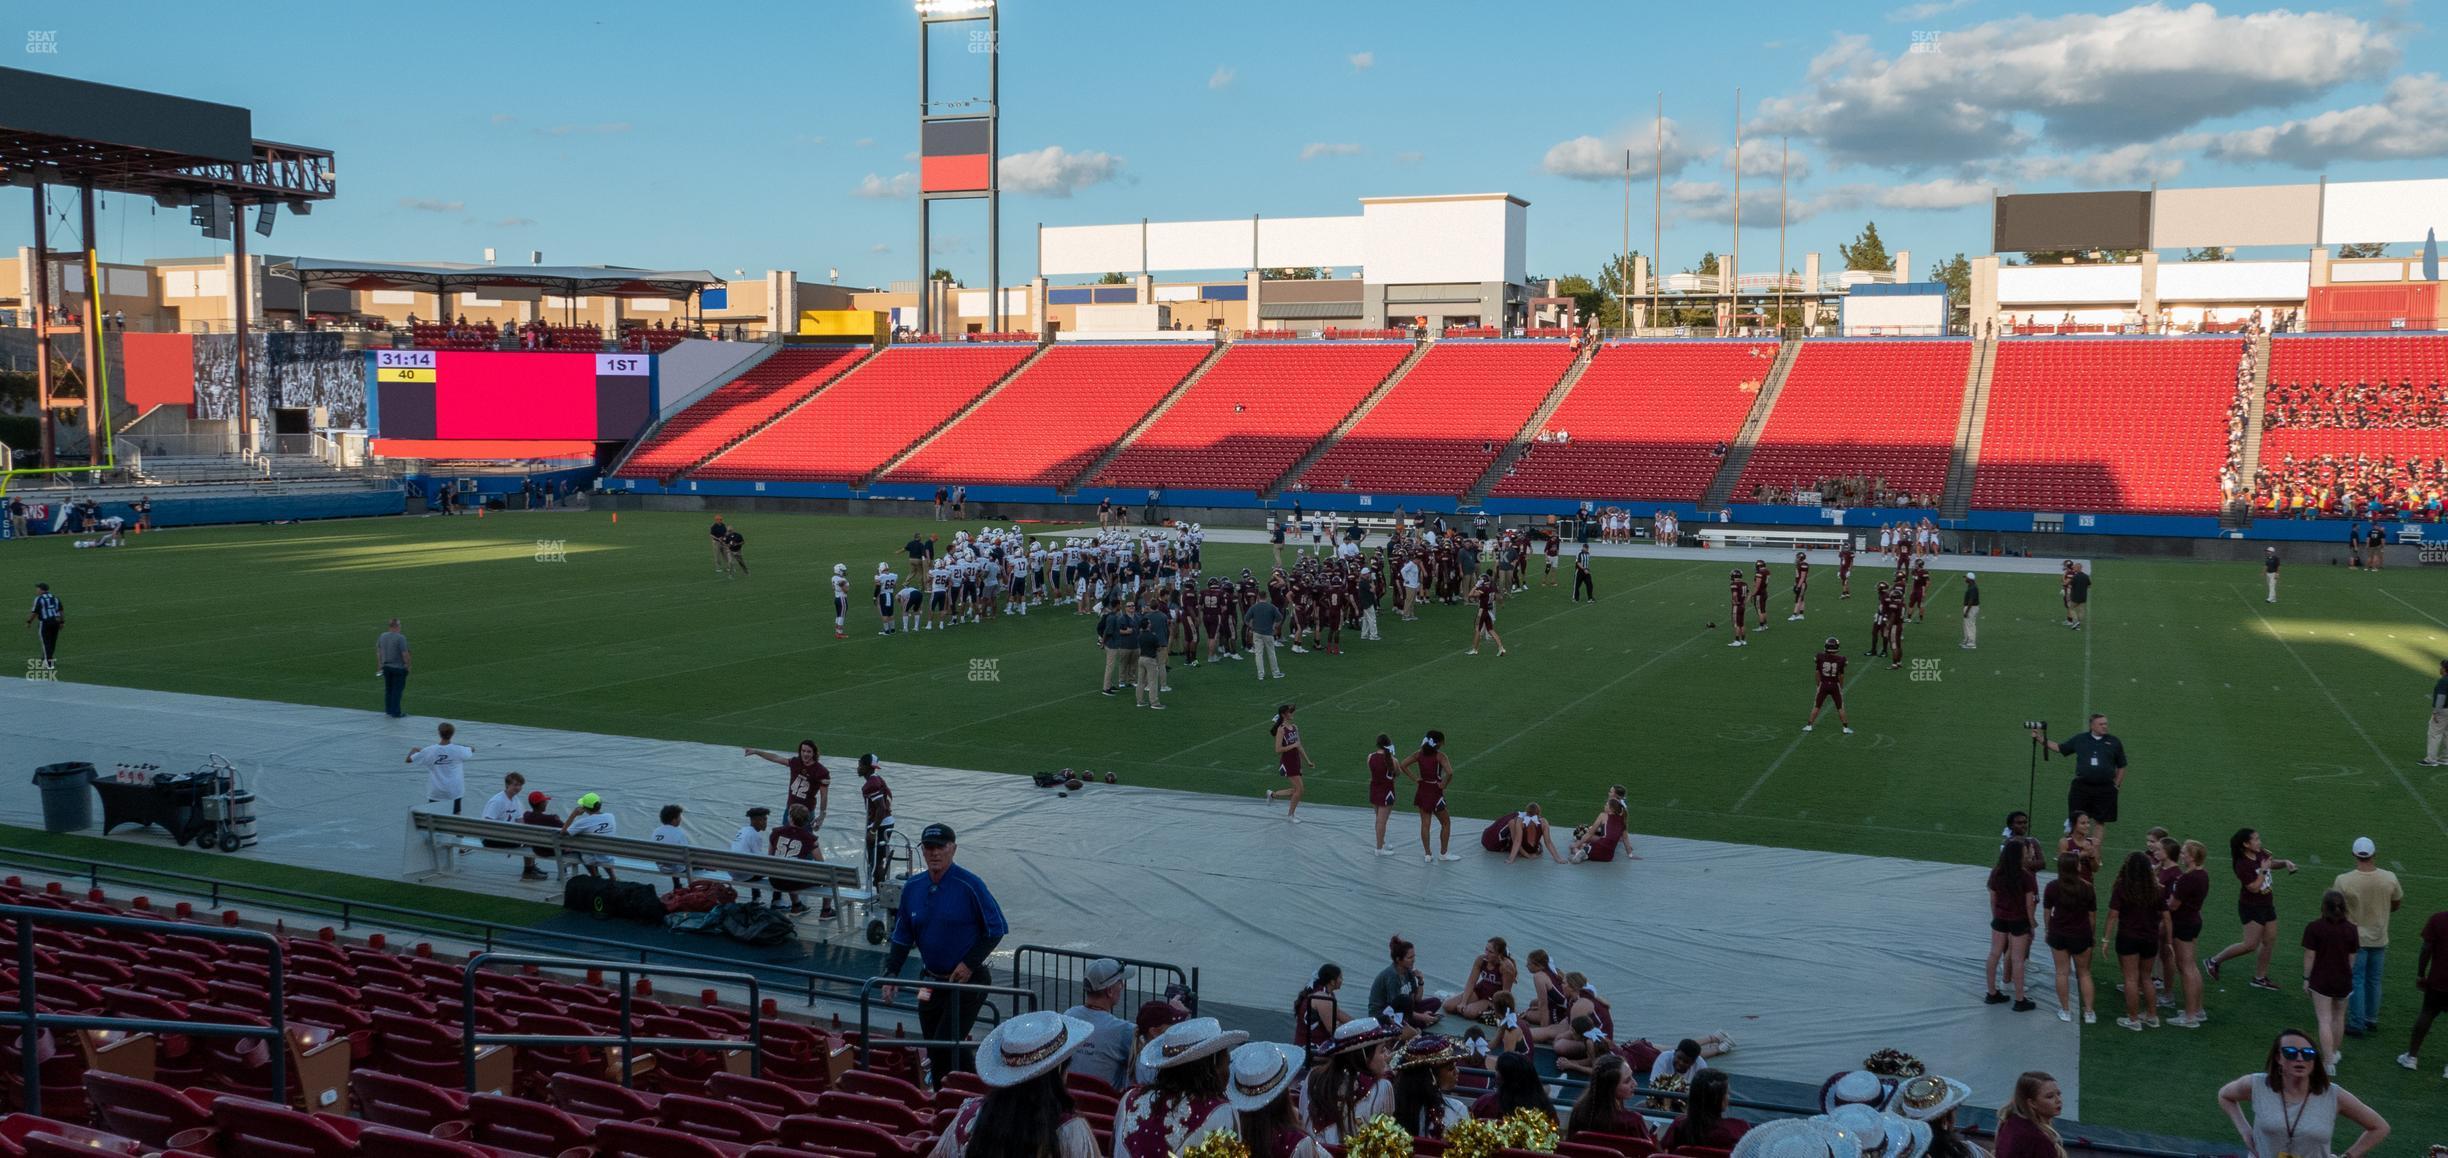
2099	772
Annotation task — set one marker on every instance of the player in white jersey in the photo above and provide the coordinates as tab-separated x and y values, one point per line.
841	598
937	598
887	586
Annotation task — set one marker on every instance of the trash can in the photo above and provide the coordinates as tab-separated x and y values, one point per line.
67	796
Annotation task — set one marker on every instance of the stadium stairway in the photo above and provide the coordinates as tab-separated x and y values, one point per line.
1149	419
1350	420
1531	426
910	451
1739	455
1956	503
2239	513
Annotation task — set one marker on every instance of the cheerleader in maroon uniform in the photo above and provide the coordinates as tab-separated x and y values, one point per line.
1491	973
1485	595
1431	774
1383	772
1549	1013
1290	757
1524	833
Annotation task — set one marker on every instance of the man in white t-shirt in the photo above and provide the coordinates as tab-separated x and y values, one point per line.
507	806
589	819
447	762
753	840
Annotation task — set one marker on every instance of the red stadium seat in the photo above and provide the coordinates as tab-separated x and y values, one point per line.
253	1129
760	1095
389	1142
405	1103
596	1098
524	1127
869	415
146	1111
1438	429
717	1120
731	409
1870	408
843	1136
1644	422
1056	417
2107	425
1254	414
635	1140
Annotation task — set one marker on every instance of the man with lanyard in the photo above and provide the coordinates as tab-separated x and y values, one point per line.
2099	773
953	922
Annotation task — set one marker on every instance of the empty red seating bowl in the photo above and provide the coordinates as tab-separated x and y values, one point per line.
1644	422
1870	408
1056	417
1254	414
2107	425
1438	429
729	410
870	415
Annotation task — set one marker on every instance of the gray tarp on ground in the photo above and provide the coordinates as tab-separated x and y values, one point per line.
1811	960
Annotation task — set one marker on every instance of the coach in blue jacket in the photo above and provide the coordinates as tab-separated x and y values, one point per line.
954	923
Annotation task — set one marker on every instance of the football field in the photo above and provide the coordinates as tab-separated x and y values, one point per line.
2303	719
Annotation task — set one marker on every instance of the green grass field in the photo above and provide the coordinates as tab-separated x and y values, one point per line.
2303	719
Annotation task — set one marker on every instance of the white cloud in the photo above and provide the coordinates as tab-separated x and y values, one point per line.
1587	158
2409	123
1713	202
1941	193
2125	165
1054	172
1924	11
863	142
599	129
901	185
1316	149
431	205
1767	159
1222	77
1362	61
1409	157
879	247
2076	81
503	118
514	222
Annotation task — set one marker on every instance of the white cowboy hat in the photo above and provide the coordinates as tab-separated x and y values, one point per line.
1864	1124
1928	1098
1189	1041
1358	1033
1261	1072
1796	1138
1029	1046
1907	1138
1851	1087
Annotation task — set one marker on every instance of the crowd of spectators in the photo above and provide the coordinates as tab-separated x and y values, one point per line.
2239	414
2362	406
2353	486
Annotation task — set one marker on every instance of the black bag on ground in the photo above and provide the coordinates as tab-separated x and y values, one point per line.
584	894
633	901
753	924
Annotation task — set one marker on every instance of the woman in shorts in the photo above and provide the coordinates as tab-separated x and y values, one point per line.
1290	758
2013	893
1431	773
1381	777
2082	838
1549	1012
2256	906
1598	842
2134	909
2070	903
2184	902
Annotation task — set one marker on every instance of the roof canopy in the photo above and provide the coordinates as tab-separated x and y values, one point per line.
70	132
437	277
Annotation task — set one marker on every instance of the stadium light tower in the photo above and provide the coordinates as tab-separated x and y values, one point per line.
957	149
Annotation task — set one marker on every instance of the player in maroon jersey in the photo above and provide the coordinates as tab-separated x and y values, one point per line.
1336	607
1383	772
1215	619
1829	667
1920	588
1878	623
1759	593
1485	623
1742	594
1895	627
1844	569
1801	586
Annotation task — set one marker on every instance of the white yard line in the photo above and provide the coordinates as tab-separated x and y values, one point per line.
2368	742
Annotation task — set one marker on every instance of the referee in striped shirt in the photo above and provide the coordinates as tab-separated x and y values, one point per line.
47	612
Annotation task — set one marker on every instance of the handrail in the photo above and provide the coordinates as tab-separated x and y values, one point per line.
628	1039
867	994
1067	985
32	1021
487	933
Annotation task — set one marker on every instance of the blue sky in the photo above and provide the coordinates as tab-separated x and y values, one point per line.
754	135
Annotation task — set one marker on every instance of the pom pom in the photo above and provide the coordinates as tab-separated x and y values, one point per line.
1379	1137
1217	1144
1473	1139
1666	1086
1528	1129
1894	1063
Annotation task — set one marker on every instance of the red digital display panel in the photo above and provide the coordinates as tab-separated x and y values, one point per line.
504	395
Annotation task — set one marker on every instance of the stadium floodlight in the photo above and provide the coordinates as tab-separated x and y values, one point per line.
940	8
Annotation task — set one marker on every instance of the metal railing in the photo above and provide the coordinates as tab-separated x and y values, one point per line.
627	1039
1059	976
1023	1001
31	1021
490	935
